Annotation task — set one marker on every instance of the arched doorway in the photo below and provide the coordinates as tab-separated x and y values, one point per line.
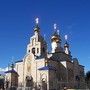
29	81
33	51
44	84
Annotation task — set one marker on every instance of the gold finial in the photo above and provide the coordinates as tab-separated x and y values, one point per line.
37	20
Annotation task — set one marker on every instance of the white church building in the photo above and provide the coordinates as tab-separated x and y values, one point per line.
54	70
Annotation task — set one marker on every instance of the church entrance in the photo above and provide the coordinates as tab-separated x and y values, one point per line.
29	81
44	85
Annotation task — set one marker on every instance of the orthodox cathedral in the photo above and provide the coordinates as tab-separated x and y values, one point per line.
43	70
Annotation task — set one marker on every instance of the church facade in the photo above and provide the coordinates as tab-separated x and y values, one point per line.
45	70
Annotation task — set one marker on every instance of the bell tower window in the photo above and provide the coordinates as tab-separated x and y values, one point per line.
33	50
32	41
29	51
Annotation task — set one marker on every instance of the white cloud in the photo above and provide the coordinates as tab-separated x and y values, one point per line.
4	69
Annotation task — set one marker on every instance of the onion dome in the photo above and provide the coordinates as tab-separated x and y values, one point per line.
55	37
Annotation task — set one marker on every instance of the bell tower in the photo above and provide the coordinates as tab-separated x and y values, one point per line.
37	45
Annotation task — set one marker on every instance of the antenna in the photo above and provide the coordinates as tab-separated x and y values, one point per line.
37	20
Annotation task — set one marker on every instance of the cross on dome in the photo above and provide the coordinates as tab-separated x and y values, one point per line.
55	26
37	20
66	37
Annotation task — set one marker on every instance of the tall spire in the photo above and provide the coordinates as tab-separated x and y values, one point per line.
37	29
56	40
66	41
55	29
66	45
56	36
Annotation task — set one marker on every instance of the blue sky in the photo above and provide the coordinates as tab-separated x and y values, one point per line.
17	23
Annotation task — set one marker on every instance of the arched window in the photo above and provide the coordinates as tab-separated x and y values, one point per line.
32	41
29	51
29	81
33	50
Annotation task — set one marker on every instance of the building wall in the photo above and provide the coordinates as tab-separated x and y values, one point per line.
70	74
65	74
19	69
8	78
